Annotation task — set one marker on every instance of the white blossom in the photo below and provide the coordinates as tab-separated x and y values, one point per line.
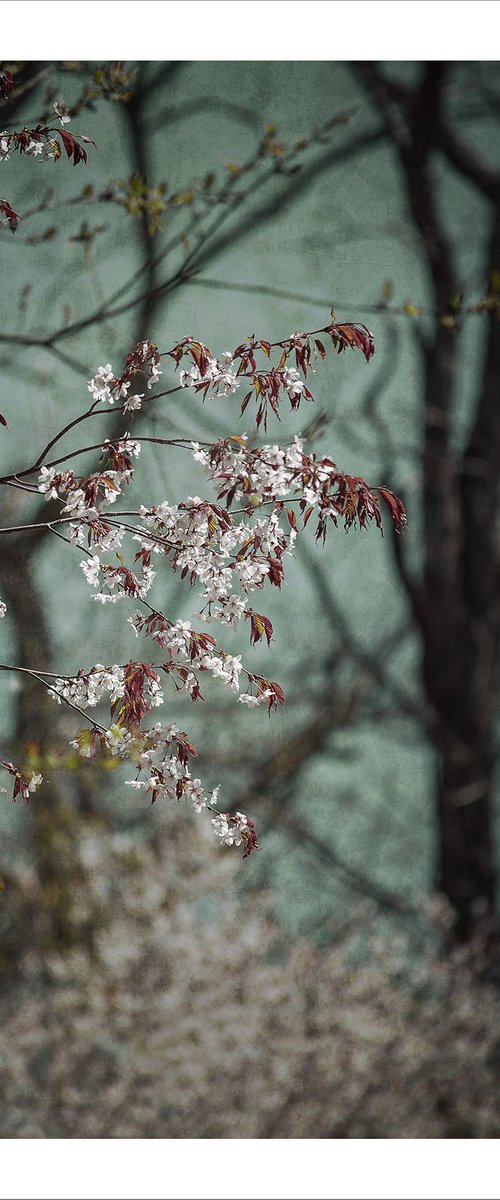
154	375
34	782
91	568
196	794
189	378
61	111
199	454
45	483
108	597
292	382
76	504
34	149
99	385
229	834
133	403
118	741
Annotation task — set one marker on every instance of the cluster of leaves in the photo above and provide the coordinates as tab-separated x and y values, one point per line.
130	709
143	358
267	386
286	158
139	199
72	146
109	81
259	625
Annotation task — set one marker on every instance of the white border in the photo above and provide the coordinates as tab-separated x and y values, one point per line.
250	1170
297	30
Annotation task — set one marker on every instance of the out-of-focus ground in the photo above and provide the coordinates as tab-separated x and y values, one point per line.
192	1016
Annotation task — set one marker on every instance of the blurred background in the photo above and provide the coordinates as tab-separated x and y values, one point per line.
343	982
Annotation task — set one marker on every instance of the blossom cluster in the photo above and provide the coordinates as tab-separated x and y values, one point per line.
115	583
218	375
27	142
205	545
40	142
191	653
222	377
271	474
25	782
235	831
188	652
106	387
82	496
87	688
161	754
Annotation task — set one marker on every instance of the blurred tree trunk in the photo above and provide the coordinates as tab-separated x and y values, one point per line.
69	803
55	824
456	600
467	866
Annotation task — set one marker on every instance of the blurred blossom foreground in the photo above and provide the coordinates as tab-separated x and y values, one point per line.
192	1018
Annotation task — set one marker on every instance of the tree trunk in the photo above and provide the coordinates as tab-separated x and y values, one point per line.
466	867
57	817
456	601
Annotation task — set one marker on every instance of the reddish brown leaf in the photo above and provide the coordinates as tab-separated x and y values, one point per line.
353	336
260	625
72	146
249	838
12	217
395	506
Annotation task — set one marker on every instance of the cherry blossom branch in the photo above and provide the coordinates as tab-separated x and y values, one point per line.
230	559
343	336
36	525
179	443
50	687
